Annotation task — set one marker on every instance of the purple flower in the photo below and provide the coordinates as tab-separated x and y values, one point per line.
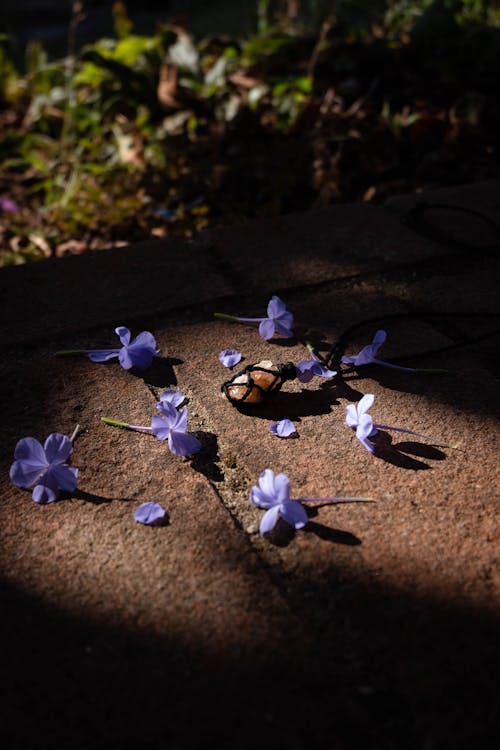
308	368
358	419
136	353
9	206
273	494
279	319
230	357
44	467
283	429
171	396
367	356
149	514
172	426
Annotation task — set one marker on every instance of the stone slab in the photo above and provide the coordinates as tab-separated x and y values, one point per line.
44	300
374	627
316	247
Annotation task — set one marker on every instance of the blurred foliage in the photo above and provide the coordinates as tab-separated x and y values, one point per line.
138	136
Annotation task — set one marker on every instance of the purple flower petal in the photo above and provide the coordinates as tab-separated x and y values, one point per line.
351	416
230	357
305	370
9	206
365	427
366	443
142	350
24	474
308	368
283	429
269	519
160	427
149	513
378	340
365	403
167	409
58	448
276	307
125	359
179	421
30	449
267	482
31	463
183	444
266	329
124	335
42	494
293	513
282	488
365	356
171	396
101	355
66	477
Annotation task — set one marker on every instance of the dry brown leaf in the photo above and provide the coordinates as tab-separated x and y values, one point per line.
167	90
71	247
41	243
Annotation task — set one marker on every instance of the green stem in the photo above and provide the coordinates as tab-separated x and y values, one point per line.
223	316
115	422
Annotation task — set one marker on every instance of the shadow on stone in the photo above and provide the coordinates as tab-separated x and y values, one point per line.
394	454
336	536
161	374
207	460
292	405
283	533
402	671
90	497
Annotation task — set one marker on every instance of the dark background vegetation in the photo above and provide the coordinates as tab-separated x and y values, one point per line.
171	117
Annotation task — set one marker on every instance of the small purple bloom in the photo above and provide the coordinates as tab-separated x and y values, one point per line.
283	429
357	418
279	319
308	368
149	514
136	353
172	426
9	206
367	354
44	467
171	396
230	357
273	495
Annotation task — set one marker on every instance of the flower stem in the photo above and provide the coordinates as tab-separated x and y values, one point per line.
125	425
75	433
419	370
333	500
69	352
431	371
115	422
223	316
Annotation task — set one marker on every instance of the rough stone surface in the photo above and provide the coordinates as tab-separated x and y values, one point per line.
377	625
